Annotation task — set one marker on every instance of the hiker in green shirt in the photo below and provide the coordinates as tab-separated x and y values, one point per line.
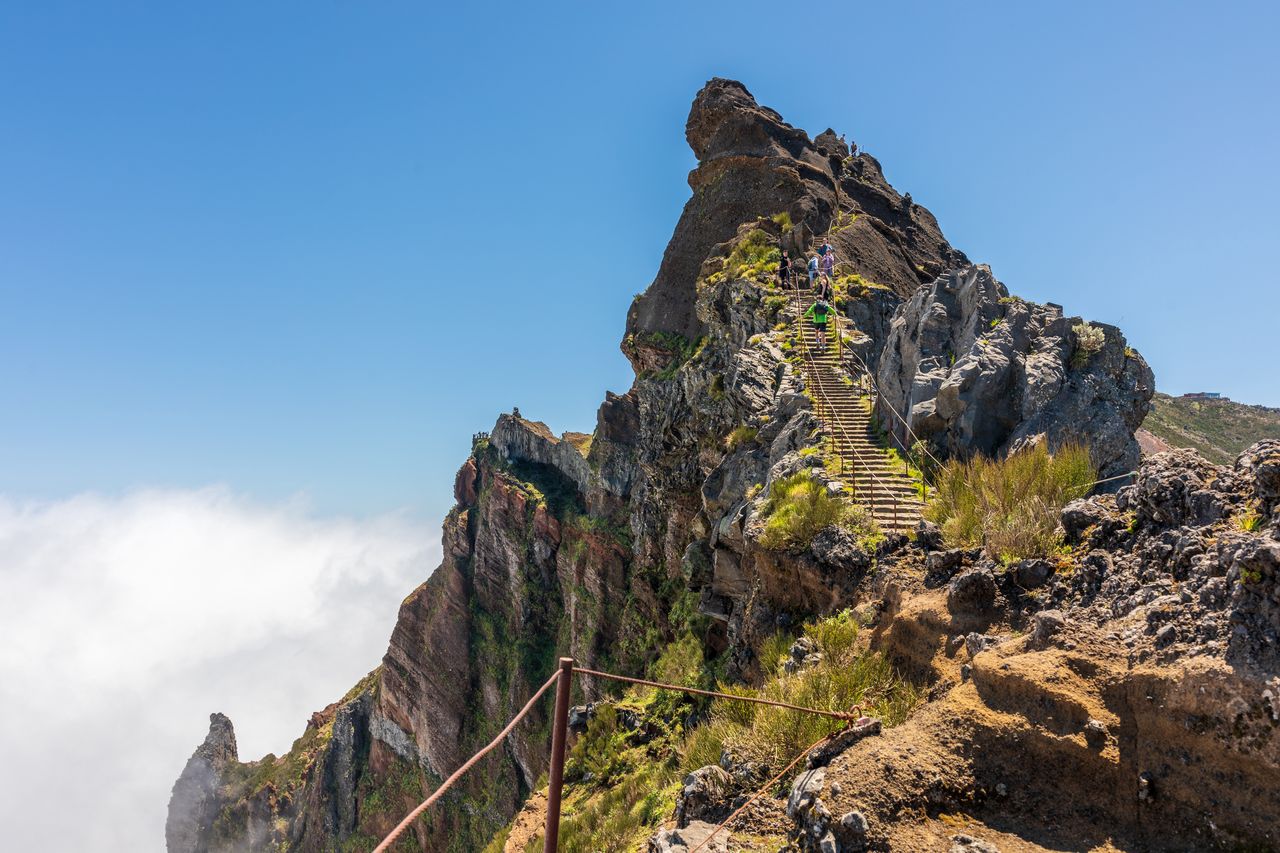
819	312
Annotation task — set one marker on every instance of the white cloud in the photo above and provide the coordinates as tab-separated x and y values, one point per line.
125	621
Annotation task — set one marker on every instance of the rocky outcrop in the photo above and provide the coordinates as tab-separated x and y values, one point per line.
750	163
195	802
969	369
698	835
532	442
1140	679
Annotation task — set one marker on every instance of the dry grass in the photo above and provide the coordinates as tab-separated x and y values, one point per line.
769	736
1010	506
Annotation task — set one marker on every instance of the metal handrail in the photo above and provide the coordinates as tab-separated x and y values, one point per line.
879	395
819	392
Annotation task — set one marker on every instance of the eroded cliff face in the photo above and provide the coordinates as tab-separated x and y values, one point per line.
608	546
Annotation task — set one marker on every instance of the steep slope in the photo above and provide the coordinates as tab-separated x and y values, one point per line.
683	519
1218	429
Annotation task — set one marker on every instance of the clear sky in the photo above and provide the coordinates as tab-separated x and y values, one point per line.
314	246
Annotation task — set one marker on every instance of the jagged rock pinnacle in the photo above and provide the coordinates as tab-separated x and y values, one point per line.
193	805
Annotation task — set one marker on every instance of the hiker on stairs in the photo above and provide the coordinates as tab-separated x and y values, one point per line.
820	313
824	291
813	270
828	263
784	271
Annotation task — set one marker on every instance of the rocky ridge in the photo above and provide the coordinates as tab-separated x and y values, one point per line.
609	547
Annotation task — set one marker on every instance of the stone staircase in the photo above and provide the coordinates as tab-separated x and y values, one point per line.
882	486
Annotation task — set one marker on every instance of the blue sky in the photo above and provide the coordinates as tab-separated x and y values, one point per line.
311	247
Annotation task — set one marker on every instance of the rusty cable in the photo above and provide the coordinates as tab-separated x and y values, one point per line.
457	774
839	715
812	374
765	787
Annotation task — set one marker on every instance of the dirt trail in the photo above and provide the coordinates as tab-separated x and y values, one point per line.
528	823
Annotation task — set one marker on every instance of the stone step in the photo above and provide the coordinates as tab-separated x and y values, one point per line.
870	457
878	475
878	506
882	480
887	491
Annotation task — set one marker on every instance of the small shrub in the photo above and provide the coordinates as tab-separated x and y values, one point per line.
1249	520
754	256
1010	506
680	663
920	458
741	434
599	752
859	521
783	221
716	390
772	651
1089	342
799	507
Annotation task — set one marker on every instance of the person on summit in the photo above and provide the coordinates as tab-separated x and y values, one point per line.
813	270
784	270
820	313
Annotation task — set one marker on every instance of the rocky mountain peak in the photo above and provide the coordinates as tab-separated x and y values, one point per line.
752	165
194	803
725	120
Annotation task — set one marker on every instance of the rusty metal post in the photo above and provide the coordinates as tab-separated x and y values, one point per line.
559	733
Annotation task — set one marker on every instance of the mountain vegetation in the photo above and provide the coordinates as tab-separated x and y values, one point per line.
1218	429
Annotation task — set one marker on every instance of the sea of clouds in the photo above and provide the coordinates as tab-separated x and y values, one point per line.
125	620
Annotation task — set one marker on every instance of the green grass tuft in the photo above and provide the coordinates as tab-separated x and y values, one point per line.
799	507
755	257
740	435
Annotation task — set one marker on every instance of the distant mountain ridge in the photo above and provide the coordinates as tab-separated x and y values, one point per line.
1218	428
